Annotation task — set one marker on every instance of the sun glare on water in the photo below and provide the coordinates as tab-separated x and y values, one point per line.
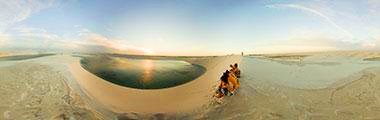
148	67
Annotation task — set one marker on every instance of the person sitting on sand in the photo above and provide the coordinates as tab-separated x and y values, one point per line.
237	70
233	80
234	69
223	86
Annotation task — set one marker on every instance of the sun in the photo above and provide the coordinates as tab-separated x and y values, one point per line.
148	51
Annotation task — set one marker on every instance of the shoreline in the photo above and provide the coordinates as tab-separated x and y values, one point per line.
170	100
346	98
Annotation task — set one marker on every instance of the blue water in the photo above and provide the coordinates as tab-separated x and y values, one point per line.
143	73
255	99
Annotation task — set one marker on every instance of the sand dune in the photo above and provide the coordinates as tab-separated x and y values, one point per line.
176	99
57	87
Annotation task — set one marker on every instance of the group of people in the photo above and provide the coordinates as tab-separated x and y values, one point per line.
229	82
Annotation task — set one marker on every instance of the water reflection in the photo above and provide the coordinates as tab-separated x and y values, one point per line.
142	73
148	68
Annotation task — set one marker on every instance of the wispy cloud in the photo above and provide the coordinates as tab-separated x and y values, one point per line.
315	12
84	41
13	11
374	6
4	39
308	41
115	45
374	40
29	32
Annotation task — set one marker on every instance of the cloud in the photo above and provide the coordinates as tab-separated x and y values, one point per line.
32	37
39	33
322	41
359	17
13	11
291	49
315	12
38	39
374	41
84	41
4	38
374	6
307	41
112	45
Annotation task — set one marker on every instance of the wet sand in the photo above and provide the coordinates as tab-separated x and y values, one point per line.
57	87
34	91
347	98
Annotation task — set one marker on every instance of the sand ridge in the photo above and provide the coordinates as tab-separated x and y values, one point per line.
176	99
353	98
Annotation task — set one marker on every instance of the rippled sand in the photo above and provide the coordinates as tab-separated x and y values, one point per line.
34	91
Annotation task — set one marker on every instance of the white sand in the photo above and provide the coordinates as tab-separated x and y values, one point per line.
39	94
55	99
32	90
185	97
346	99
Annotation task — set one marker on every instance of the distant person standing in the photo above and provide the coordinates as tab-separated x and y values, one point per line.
242	54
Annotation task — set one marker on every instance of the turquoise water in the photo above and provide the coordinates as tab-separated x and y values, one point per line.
142	73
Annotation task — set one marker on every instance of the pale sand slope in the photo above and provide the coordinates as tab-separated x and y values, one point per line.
51	88
256	99
33	91
181	98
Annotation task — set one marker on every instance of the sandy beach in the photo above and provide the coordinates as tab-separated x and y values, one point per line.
272	87
33	89
175	60
352	97
181	98
98	96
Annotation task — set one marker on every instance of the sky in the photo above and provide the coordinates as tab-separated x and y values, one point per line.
189	27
